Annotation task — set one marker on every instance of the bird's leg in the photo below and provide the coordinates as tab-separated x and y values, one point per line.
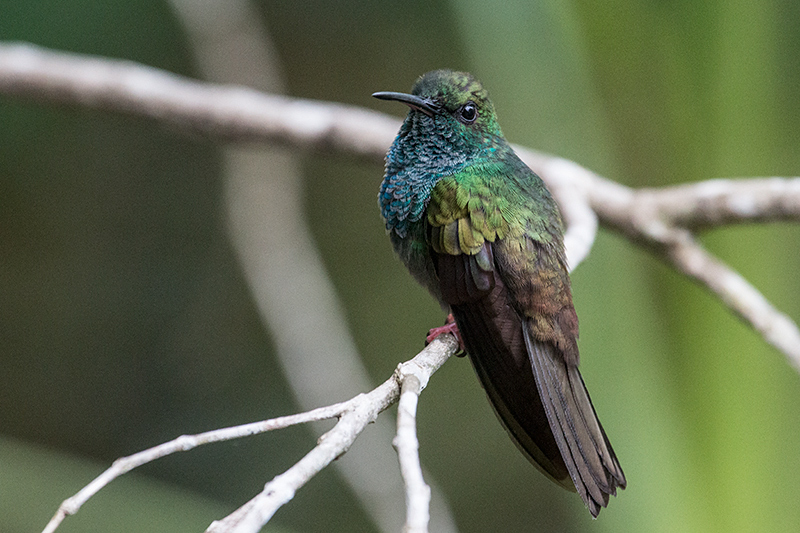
451	327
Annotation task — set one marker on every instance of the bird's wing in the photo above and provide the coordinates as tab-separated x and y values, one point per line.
510	296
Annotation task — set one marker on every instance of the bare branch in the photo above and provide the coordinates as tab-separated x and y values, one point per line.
225	112
184	443
741	297
354	415
727	201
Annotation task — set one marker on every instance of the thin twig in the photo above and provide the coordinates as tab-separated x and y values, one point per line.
225	112
721	202
735	291
185	443
418	493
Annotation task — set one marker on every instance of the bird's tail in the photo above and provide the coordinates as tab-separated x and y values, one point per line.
584	446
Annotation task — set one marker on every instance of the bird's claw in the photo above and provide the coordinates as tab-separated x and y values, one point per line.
451	327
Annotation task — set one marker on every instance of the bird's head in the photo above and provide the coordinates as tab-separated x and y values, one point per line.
454	102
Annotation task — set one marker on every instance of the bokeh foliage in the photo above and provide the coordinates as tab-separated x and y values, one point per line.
124	320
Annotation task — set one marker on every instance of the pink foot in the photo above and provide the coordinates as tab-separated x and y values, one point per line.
451	327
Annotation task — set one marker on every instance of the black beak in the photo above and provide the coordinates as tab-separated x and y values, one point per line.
417	103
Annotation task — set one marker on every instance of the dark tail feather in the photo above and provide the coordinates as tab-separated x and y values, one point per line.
587	453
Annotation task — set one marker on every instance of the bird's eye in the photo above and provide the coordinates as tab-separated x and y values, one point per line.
468	113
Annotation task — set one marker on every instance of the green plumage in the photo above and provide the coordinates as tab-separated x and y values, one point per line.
482	233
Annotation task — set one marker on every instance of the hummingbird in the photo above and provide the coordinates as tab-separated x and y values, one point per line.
480	231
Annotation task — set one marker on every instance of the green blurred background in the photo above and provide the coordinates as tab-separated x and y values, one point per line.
125	319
